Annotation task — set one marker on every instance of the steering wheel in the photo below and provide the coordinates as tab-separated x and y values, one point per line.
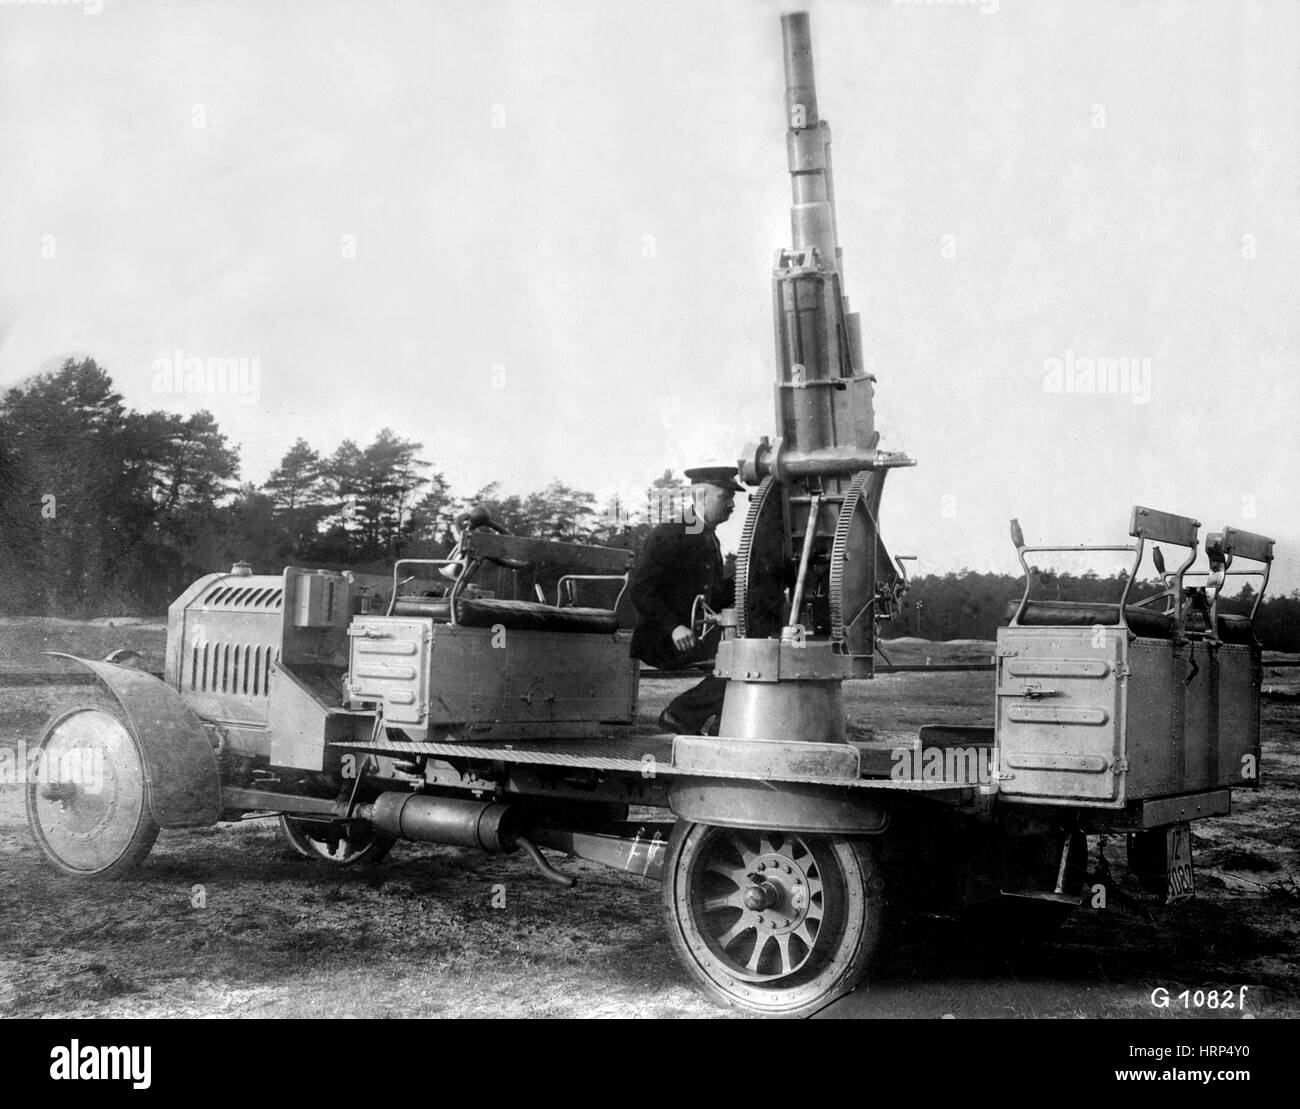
476	519
702	617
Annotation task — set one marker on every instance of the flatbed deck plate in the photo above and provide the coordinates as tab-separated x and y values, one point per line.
639	754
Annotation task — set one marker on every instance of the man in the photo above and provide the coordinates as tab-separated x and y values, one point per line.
679	562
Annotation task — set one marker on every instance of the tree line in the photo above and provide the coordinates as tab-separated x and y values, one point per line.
972	605
109	511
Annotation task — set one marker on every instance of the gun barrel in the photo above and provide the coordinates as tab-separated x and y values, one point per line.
800	86
808	138
824	461
825	421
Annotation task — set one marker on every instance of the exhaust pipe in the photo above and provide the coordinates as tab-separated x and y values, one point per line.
449	820
487	825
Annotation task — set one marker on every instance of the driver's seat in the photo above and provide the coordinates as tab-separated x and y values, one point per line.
558	563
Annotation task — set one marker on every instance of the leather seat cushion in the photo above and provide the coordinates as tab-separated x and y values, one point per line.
1236	629
512	615
437	607
1075	614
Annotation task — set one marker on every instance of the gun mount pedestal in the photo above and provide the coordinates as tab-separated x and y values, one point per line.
783	690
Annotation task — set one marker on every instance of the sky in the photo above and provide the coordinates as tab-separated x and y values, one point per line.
538	239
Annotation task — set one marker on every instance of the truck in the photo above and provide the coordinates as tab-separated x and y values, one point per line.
439	711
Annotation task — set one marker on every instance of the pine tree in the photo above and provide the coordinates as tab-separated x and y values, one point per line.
298	481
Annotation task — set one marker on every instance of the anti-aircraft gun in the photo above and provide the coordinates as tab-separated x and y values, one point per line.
813	576
454	715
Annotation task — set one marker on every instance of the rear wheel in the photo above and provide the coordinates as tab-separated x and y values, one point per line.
342	845
87	795
776	923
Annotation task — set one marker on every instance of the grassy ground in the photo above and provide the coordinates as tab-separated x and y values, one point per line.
227	921
25	640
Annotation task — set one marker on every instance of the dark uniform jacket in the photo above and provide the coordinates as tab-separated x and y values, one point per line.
674	567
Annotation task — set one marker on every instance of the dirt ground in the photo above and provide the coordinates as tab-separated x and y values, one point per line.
228	921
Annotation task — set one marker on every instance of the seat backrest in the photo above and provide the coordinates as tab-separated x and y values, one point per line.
1163	527
538	554
1247	545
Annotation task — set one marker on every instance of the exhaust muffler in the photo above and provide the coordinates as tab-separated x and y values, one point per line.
450	820
487	825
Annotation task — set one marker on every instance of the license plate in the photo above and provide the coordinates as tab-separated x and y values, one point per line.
1178	858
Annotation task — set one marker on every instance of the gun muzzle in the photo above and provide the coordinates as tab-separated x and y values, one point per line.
812	208
800	87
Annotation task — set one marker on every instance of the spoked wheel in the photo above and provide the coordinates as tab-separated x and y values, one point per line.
777	923
87	798
318	840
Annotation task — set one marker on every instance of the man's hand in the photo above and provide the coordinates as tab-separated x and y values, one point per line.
684	639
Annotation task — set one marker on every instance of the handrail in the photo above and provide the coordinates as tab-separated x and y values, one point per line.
1259	549
462	580
1223	549
569	578
392	601
1018	538
1145	523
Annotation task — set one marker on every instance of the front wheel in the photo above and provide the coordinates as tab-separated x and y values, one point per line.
87	795
773	922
